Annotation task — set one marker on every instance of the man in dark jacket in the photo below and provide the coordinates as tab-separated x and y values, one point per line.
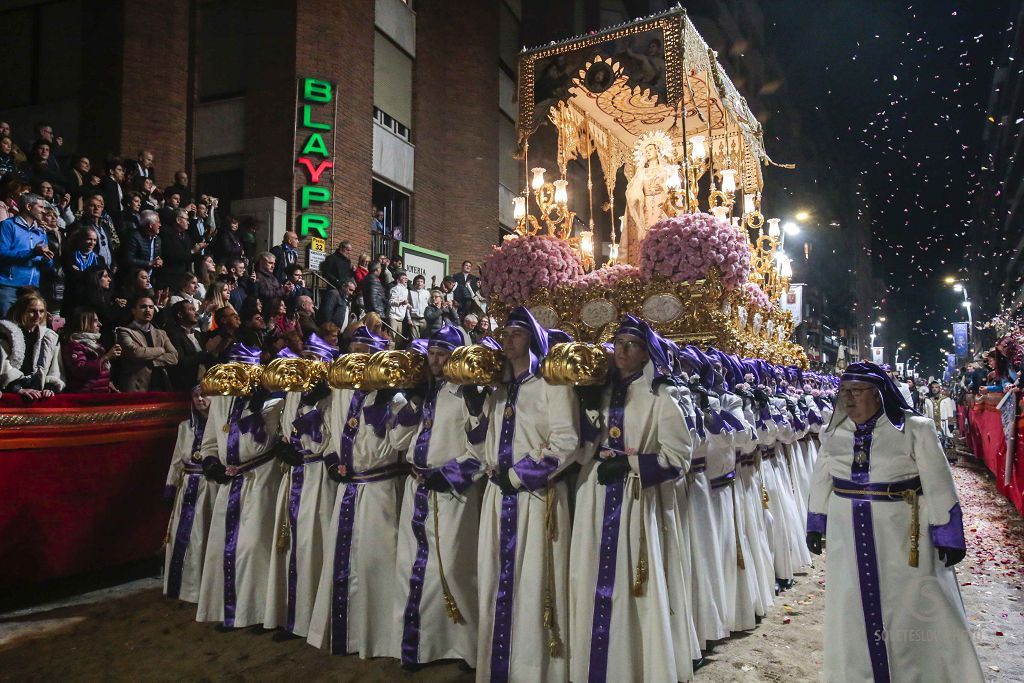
286	253
467	286
181	187
337	267
374	299
267	286
177	250
113	194
183	332
336	306
144	246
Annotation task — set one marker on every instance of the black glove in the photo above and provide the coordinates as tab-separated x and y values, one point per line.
215	471
814	540
287	452
384	396
417	394
505	483
435	481
590	396
336	475
474	397
318	393
612	470
951	556
761	396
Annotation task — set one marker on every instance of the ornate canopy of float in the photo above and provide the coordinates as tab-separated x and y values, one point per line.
669	158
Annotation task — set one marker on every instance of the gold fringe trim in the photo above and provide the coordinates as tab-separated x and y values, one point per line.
550	619
640	575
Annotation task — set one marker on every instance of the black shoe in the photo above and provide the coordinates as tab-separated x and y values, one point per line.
258	630
282	636
411	667
465	668
758	618
698	663
221	628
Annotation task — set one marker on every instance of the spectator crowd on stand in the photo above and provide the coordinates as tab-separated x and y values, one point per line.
110	284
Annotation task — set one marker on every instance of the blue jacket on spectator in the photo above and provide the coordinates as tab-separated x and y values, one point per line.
19	263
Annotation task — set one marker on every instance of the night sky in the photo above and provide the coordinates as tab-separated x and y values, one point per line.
900	92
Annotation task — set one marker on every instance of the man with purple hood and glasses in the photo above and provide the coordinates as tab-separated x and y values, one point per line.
353	611
533	435
237	452
883	494
620	604
305	499
435	610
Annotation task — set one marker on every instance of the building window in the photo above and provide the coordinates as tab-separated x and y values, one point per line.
391	124
389	223
392	82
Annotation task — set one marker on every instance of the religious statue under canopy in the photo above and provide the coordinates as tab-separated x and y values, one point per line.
646	192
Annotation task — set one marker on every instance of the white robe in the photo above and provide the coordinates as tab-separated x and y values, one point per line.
920	632
751	521
234	583
305	499
630	638
545	442
356	593
190	519
424	630
709	600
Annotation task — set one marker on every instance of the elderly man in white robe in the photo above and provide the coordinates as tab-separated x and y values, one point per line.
305	499
193	496
883	495
621	621
435	612
533	435
354	608
237	453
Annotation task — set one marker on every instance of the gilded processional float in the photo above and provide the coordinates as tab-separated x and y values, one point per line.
673	154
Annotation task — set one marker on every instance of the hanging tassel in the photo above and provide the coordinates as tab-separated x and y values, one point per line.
736	529
915	530
450	605
170	521
764	498
284	533
550	620
640	575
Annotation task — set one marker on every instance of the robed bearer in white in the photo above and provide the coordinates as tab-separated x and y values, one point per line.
436	607
533	435
237	453
620	608
884	497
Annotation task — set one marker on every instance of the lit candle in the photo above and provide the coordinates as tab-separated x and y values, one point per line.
672	179
773	227
587	242
748	204
519	208
698	151
538	177
720	212
729	181
561	194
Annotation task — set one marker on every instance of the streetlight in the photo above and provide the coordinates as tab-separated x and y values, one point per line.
802	215
962	288
874	325
791	228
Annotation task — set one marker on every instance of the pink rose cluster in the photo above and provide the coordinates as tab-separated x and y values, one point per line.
521	265
757	296
607	277
684	248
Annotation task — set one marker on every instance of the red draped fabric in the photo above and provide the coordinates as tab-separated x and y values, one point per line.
988	443
81	477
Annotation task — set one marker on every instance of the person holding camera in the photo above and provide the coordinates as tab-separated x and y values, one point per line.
440	312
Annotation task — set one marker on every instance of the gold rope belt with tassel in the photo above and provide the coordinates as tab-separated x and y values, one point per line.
640	575
551	531
449	600
908	491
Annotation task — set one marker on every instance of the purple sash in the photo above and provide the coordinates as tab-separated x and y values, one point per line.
411	625
501	639
600	633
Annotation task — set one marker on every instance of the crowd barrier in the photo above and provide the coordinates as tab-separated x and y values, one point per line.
81	478
985	437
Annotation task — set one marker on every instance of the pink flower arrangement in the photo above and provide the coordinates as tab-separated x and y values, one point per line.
606	277
684	248
522	265
757	296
